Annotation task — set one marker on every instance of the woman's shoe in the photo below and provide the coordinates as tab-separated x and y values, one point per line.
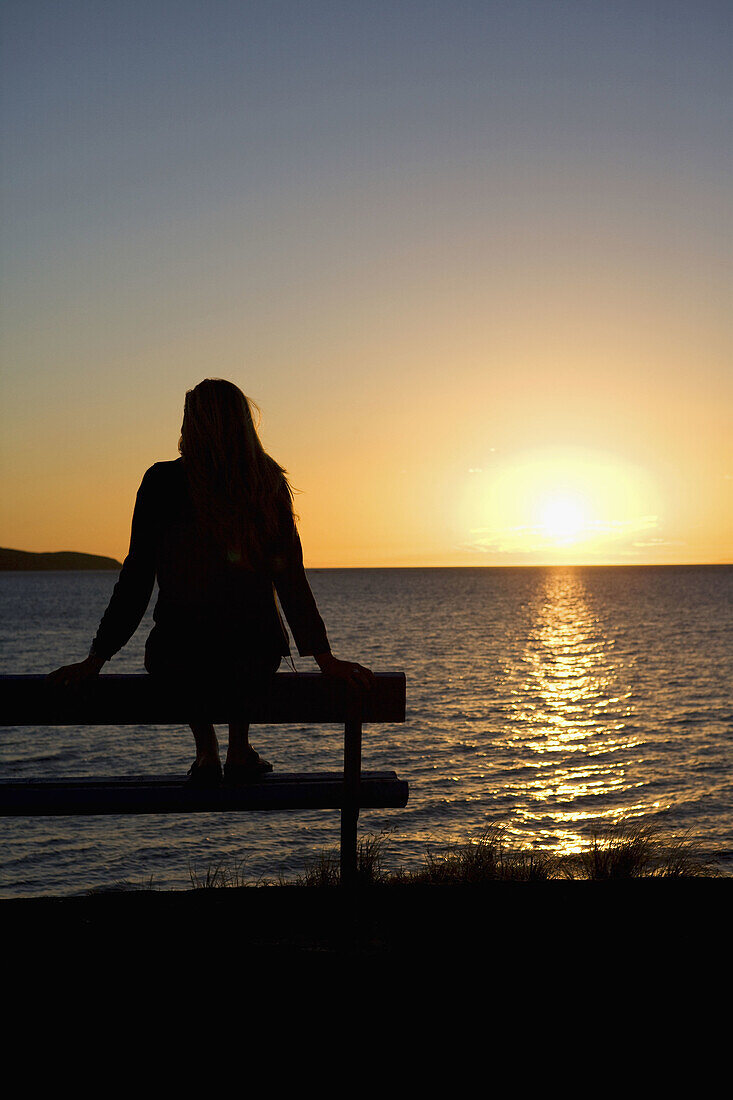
204	775
254	769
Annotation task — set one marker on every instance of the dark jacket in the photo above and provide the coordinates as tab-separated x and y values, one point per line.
204	597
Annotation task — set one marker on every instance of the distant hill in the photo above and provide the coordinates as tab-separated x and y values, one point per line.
23	561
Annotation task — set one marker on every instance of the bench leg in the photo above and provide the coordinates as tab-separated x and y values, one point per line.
350	807
349	821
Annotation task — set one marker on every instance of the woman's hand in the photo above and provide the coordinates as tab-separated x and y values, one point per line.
72	676
353	673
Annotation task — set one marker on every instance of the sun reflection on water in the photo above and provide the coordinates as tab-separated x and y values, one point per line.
570	724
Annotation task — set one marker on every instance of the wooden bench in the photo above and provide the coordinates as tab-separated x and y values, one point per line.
287	697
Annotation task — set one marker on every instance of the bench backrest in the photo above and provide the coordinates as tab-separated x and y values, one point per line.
141	700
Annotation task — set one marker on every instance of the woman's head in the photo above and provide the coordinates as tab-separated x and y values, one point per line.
235	486
216	417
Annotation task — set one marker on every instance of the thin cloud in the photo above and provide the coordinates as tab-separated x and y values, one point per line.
534	537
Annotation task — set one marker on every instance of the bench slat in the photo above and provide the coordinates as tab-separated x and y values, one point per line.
170	794
115	699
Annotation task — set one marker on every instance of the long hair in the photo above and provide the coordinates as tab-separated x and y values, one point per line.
238	492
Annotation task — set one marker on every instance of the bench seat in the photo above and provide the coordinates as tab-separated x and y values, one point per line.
134	700
169	794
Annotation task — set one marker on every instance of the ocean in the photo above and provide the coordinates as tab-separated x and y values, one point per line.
550	701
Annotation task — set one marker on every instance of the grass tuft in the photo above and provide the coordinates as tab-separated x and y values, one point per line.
634	850
625	851
370	870
221	875
488	858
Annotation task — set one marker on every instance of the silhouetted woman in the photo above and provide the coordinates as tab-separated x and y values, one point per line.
216	528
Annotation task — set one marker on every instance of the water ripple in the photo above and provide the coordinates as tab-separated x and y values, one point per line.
550	700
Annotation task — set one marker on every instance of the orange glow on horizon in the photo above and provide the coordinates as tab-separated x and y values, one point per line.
539	508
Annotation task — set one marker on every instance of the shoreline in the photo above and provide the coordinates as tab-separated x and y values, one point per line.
288	922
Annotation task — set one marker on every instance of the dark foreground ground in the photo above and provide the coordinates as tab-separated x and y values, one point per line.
395	984
292	976
657	923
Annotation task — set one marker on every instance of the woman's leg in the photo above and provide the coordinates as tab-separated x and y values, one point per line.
207	746
239	750
163	661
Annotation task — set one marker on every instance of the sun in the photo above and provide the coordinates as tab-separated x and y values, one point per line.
561	505
563	518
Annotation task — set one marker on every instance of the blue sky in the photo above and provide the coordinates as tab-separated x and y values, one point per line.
428	229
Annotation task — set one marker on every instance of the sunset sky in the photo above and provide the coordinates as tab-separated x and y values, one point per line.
471	259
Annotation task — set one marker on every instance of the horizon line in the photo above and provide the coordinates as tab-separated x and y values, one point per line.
454	565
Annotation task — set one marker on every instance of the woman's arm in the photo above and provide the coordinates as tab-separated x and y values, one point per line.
345	670
296	598
130	596
73	675
299	605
